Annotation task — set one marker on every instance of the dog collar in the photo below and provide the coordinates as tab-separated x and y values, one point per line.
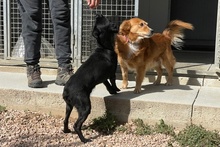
126	39
129	41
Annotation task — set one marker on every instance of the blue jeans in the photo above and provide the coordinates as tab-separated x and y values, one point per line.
31	16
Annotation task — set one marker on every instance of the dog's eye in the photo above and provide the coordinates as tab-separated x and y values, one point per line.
141	24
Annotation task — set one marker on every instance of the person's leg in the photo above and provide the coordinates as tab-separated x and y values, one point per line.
31	13
31	16
60	14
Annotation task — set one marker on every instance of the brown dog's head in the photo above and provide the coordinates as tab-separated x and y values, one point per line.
135	29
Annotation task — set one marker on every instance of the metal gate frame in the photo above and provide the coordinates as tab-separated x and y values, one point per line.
79	8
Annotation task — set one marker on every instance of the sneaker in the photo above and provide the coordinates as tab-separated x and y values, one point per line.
63	74
33	75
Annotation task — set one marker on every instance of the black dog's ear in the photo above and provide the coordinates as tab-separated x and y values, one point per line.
113	27
95	32
98	15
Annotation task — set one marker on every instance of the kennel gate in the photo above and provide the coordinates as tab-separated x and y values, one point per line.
82	18
114	10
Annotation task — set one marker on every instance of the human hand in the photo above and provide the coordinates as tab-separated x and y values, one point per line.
93	3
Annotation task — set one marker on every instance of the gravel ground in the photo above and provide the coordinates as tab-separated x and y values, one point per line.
31	129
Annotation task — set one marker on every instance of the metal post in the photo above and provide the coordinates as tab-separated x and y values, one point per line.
8	29
72	27
5	20
136	6
77	32
217	39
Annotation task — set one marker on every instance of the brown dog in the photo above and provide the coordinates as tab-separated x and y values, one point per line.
138	49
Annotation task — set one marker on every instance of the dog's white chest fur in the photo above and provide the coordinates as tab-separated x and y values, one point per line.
133	48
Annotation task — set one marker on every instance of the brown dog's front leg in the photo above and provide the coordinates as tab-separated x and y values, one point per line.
139	79
124	72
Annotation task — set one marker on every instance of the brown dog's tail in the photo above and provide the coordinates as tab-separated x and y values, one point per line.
174	31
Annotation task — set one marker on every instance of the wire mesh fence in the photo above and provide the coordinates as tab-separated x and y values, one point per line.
115	10
16	43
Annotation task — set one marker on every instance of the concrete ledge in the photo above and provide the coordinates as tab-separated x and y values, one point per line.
125	105
153	104
178	105
32	100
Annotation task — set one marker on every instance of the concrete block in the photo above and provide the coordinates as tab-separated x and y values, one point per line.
206	110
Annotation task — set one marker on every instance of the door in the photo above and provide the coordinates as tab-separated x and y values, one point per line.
202	14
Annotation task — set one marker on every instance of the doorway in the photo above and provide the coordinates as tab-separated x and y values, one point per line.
202	14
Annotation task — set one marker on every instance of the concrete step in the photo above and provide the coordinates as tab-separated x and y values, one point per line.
189	100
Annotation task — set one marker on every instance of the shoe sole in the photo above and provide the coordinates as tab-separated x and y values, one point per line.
59	83
36	85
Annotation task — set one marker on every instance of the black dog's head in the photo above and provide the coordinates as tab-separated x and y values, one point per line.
104	31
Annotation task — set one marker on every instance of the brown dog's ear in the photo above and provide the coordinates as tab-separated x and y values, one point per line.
125	27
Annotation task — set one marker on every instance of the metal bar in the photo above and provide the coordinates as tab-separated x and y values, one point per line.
136	6
77	32
8	28
72	27
5	20
217	40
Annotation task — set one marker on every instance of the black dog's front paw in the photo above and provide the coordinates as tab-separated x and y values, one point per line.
67	131
113	92
86	140
117	89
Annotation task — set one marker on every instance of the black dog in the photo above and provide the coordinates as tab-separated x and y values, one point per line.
98	68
